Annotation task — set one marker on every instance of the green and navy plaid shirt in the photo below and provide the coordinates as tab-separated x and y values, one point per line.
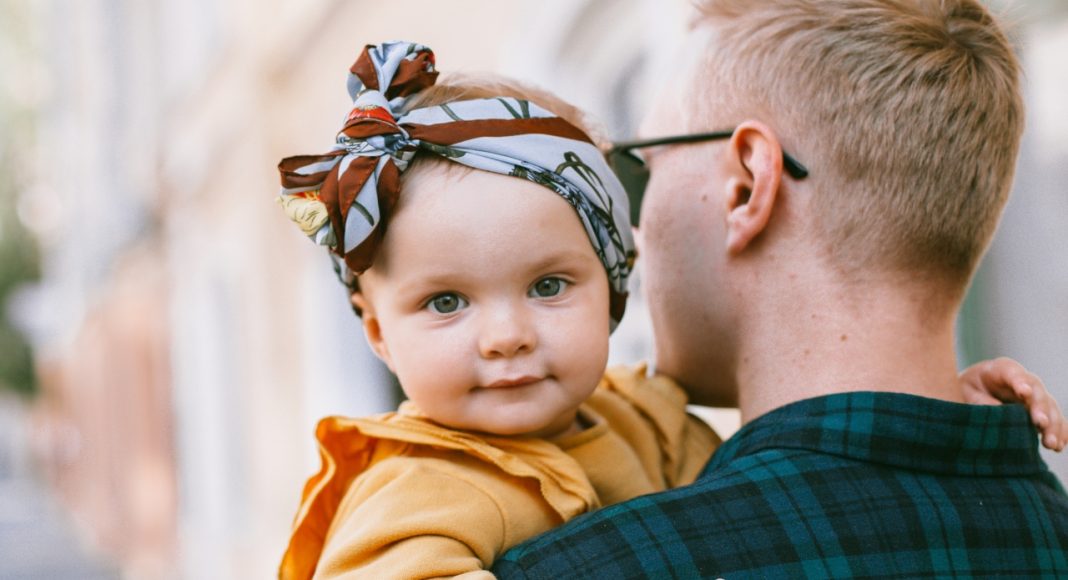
857	485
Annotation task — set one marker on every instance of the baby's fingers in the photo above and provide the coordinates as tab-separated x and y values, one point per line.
1055	432
991	382
1046	414
1004	380
1062	435
1012	383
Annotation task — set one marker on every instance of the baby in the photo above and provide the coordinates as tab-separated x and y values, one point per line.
491	298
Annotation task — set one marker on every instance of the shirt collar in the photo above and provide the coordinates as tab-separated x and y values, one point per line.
897	430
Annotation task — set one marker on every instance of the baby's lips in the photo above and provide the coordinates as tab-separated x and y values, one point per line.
513	382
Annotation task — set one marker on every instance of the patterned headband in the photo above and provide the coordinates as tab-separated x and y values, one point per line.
340	199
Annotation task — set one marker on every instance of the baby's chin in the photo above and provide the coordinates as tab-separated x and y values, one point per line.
514	423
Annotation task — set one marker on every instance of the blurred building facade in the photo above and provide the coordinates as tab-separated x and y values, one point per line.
188	337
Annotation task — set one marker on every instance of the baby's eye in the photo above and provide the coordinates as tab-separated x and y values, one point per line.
547	287
446	303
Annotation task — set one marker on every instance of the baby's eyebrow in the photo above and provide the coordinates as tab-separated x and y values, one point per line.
562	258
441	280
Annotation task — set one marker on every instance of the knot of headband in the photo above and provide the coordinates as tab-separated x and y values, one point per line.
341	198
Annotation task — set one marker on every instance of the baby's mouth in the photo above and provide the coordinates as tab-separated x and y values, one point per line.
513	382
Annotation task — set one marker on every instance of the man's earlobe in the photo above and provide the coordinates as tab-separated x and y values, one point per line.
372	329
753	190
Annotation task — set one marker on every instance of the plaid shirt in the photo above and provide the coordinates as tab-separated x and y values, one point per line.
857	485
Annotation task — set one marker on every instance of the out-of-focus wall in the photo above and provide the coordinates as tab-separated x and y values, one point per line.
103	422
1022	289
188	337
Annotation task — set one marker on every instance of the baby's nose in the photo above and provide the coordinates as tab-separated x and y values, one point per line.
507	332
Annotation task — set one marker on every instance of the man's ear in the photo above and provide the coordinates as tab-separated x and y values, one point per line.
756	173
371	329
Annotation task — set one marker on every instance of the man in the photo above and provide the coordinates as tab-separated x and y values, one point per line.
824	305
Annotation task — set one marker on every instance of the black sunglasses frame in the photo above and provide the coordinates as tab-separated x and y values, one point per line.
634	175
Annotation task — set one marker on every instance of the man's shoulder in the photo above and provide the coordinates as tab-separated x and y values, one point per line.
650	533
795	512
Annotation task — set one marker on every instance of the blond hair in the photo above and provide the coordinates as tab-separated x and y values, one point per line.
908	113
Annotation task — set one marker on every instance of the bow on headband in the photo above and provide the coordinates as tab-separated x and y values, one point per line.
341	198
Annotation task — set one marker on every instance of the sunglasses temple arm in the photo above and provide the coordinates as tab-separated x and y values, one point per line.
793	167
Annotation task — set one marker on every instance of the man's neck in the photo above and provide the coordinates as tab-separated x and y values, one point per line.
799	345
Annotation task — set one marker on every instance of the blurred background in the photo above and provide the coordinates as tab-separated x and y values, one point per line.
168	340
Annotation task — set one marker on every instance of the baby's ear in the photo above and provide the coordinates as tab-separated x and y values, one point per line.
371	329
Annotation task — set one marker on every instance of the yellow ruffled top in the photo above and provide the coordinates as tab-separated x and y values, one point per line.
399	496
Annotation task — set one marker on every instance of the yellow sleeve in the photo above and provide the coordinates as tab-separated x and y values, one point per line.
425	517
682	443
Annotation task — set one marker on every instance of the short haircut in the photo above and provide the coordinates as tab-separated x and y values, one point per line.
908	113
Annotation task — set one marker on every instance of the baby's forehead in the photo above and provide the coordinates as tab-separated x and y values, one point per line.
481	214
426	173
429	166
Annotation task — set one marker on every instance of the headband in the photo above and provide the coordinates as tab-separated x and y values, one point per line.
342	199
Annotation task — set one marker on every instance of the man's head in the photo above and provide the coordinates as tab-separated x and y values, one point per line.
908	111
907	114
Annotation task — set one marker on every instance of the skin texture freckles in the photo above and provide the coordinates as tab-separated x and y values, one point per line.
489	303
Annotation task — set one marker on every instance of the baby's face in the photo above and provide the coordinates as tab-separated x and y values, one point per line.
489	303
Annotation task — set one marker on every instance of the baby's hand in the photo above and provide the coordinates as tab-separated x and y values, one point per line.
1004	380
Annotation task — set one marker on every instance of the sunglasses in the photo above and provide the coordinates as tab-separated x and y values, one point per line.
634	174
